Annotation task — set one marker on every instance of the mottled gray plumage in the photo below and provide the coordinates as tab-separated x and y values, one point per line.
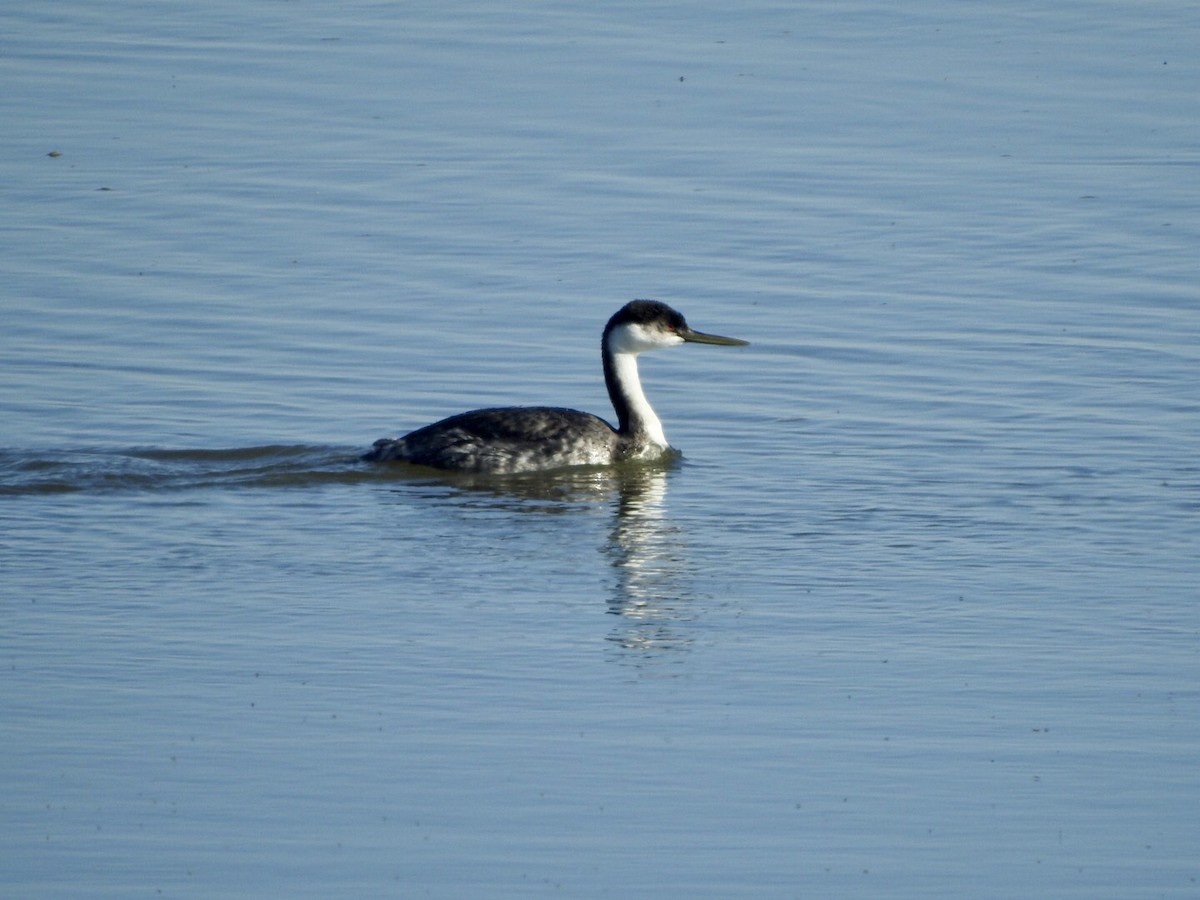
505	440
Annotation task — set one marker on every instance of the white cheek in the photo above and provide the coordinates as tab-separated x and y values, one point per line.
638	339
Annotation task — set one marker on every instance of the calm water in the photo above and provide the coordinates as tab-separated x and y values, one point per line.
916	615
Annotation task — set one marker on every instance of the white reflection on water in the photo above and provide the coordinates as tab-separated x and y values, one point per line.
652	591
649	558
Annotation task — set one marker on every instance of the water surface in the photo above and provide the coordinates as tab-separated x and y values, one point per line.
915	615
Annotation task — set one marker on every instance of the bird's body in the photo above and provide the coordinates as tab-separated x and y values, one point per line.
537	438
507	439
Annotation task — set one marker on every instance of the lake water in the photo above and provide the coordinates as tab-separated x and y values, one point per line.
915	616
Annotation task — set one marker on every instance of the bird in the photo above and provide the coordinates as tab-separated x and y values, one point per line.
518	439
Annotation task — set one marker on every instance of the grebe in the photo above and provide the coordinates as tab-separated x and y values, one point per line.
536	438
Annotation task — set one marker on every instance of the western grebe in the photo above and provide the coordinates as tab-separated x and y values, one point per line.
536	438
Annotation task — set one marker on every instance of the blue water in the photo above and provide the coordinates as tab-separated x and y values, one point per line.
915	615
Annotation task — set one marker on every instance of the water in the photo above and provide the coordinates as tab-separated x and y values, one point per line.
915	615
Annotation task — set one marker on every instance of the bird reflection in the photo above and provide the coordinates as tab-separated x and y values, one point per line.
652	592
647	551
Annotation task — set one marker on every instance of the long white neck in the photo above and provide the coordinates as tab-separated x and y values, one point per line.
635	415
